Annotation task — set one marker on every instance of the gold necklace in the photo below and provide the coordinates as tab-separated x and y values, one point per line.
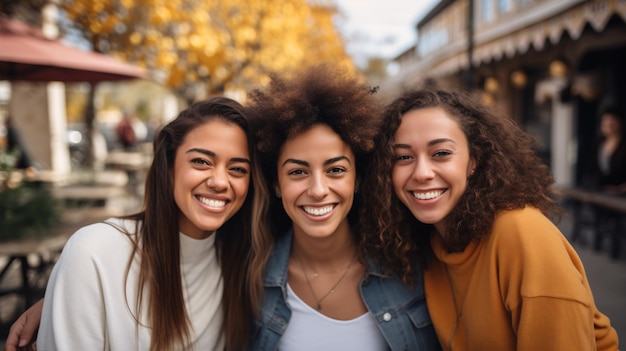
318	302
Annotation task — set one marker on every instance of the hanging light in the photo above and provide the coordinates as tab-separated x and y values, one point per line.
519	78
558	68
491	84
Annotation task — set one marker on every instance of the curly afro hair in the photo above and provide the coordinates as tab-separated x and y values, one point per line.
322	94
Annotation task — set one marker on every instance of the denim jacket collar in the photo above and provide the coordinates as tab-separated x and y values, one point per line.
277	265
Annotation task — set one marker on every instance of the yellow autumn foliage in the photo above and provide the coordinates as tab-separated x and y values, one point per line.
217	43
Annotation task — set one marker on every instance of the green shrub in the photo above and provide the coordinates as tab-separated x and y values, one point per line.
27	211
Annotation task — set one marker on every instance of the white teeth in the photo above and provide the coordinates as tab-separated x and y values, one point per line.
428	196
212	203
318	211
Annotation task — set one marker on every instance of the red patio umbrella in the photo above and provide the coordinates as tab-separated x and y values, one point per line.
25	54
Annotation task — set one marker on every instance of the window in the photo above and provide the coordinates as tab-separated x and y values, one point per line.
486	10
504	6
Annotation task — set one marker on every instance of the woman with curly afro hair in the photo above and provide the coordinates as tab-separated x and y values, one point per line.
471	198
316	133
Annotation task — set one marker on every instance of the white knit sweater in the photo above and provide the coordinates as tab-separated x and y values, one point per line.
90	303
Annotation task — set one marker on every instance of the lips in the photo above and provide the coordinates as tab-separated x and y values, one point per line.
428	195
318	211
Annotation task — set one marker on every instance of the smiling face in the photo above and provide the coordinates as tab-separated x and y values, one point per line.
211	177
432	164
316	181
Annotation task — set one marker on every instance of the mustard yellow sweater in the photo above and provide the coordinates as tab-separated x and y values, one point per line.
523	287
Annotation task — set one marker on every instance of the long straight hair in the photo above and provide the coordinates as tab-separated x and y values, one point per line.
158	247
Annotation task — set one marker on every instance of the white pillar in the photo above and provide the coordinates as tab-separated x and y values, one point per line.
38	112
562	143
562	140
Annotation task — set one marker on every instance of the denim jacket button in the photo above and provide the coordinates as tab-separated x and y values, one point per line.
387	316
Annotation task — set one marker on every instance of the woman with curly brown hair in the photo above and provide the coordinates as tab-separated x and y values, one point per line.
474	201
316	132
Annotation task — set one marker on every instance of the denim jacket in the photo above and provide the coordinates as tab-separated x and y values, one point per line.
401	312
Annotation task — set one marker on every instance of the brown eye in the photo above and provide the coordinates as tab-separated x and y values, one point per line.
200	161
442	153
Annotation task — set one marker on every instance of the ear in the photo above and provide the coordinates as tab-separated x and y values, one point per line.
471	167
277	191
357	184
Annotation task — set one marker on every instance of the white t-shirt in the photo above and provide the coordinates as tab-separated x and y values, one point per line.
309	330
90	305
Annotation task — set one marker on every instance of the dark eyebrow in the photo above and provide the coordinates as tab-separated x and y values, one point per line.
298	162
202	151
306	164
440	140
430	143
336	159
240	159
212	154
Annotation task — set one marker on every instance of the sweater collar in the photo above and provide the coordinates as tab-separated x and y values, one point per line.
452	258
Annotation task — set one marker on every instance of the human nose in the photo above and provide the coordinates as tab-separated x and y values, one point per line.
218	180
423	171
317	186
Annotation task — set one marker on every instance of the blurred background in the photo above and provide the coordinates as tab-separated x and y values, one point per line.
84	84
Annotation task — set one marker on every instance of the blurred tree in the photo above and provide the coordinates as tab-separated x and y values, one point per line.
207	47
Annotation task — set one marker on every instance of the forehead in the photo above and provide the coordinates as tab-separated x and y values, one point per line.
216	133
427	122
319	139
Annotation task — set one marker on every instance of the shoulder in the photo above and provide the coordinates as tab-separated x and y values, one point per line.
528	235
528	248
518	215
397	294
523	223
526	239
102	238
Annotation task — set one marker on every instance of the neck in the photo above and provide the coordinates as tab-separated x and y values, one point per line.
325	253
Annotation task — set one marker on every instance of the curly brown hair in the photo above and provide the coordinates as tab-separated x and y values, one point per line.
290	105
319	94
508	175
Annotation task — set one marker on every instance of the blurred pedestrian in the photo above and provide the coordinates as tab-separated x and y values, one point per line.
610	176
610	152
125	131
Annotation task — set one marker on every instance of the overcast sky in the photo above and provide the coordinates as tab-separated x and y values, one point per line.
380	27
